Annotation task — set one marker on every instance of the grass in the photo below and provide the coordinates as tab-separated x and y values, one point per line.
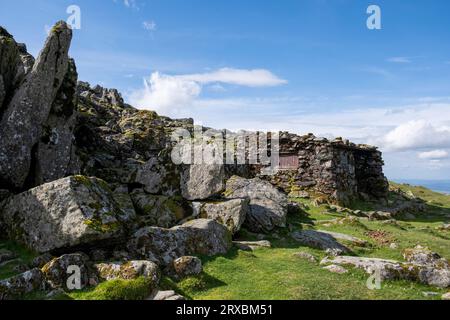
25	256
277	274
138	289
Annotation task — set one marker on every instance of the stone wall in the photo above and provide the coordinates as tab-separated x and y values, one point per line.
337	170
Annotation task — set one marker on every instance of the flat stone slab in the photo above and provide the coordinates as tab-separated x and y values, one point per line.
319	240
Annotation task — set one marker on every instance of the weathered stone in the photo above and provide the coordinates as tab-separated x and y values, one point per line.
55	149
57	271
16	287
423	256
200	182
230	213
64	213
319	240
129	270
306	256
187	266
446	296
23	118
252	245
196	237
159	176
268	206
158	211
336	269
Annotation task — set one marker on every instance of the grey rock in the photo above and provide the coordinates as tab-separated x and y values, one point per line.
129	270
41	260
156	210
64	213
158	176
347	238
268	206
196	237
319	240
16	287
252	245
230	213
187	266
336	269
446	296
22	121
158	295
57	272
200	182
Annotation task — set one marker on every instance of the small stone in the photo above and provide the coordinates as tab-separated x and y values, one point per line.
336	269
187	266
306	256
252	245
430	294
393	246
446	296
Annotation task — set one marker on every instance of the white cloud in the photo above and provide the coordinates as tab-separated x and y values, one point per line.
399	60
434	155
149	25
171	94
417	134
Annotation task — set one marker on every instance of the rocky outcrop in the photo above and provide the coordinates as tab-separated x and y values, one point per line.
268	206
21	126
196	237
423	266
65	213
231	213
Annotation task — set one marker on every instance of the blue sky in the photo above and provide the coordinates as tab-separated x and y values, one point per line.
303	66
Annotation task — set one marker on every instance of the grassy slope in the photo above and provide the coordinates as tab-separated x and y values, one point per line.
277	274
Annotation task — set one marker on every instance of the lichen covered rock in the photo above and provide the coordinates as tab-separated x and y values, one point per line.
57	271
231	213
196	237
65	213
268	206
128	270
187	266
202	181
16	287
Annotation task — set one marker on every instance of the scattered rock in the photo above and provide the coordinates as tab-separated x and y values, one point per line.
187	266
268	206
252	245
335	269
319	240
430	294
340	236
196	237
446	296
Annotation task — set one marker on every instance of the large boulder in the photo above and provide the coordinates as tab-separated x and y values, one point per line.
22	122
196	237
57	272
231	213
268	206
65	213
159	176
157	210
202	181
17	286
